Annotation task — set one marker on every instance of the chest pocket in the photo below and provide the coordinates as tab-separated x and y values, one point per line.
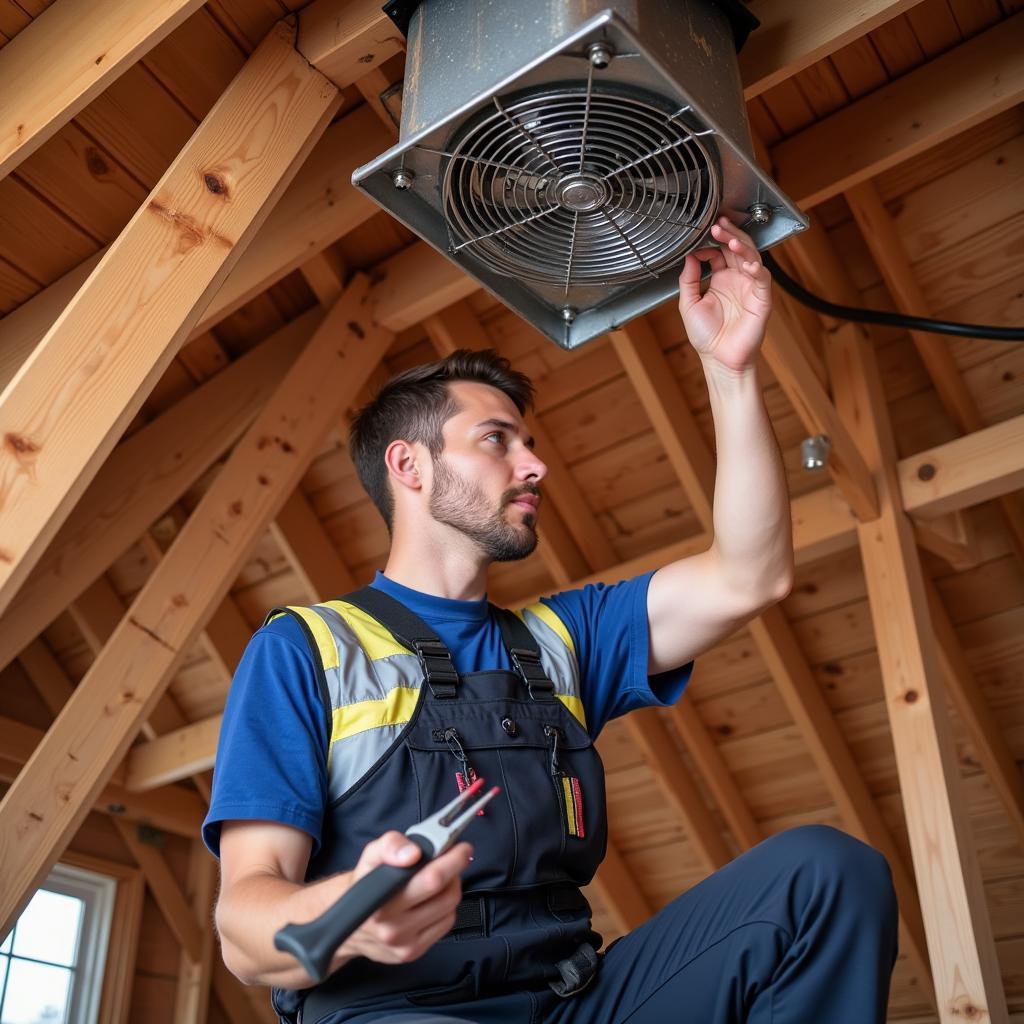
548	823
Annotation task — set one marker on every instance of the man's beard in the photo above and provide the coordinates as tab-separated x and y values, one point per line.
458	503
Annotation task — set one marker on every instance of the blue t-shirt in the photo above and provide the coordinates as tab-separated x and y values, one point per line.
272	754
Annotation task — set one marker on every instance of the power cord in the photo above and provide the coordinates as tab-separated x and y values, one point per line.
878	316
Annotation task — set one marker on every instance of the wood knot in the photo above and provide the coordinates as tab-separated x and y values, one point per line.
235	508
963	1007
95	163
264	479
215	184
357	329
925	472
179	601
366	58
910	696
20	445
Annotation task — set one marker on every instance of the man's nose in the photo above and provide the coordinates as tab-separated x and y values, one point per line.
531	467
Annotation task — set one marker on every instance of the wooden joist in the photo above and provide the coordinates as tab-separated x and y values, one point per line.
678	431
960	943
317	208
51	796
795	34
344	39
64	411
171	808
967	85
673	777
883	239
809	398
97	40
192	995
143	477
965	472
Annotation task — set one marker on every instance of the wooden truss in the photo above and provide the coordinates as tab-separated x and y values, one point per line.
242	207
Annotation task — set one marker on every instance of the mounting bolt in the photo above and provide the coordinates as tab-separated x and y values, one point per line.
569	314
760	213
814	452
600	55
402	178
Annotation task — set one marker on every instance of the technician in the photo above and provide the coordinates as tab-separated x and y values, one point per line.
351	720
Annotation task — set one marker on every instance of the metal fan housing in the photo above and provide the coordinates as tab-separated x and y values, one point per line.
568	158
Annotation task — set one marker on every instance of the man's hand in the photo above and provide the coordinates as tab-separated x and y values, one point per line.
421	913
726	323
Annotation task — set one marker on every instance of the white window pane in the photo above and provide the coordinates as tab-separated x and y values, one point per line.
36	994
48	928
3	971
6	946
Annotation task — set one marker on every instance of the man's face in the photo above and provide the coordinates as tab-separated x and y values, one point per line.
485	483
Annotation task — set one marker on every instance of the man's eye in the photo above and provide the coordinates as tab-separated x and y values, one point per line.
496	435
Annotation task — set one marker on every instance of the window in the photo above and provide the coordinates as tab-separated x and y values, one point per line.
51	964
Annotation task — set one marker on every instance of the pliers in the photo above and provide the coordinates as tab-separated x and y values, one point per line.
313	944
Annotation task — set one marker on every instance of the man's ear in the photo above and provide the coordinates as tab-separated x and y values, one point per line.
404	462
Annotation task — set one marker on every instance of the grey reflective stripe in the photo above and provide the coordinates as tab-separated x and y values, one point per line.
557	655
373	682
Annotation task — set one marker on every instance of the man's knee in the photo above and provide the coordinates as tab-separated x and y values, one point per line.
856	872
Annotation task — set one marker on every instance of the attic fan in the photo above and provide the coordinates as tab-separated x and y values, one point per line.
568	154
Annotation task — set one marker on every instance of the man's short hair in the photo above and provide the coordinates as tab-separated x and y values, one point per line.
415	405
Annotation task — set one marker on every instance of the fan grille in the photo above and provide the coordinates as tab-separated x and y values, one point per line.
578	187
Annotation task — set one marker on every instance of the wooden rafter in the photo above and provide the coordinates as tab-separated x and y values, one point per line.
795	34
317	208
97	40
890	254
192	995
960	941
124	326
51	796
675	425
673	777
344	39
143	477
809	398
619	891
906	117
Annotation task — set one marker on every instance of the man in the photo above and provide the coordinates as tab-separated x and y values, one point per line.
349	721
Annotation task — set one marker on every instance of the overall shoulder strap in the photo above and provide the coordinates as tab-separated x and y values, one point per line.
410	630
524	651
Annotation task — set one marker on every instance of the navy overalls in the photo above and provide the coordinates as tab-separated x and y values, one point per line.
801	928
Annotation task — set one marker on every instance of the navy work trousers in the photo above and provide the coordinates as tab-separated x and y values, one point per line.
799	929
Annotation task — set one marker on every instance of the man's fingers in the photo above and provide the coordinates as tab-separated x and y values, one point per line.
390	848
737	246
437	876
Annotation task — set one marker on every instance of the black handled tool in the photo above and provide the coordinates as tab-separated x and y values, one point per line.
313	944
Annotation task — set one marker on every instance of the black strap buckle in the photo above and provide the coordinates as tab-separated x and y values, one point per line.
527	664
438	667
575	972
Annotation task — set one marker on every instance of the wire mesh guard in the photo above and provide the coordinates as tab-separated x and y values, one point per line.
578	187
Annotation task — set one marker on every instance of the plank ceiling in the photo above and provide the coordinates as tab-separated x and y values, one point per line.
957	208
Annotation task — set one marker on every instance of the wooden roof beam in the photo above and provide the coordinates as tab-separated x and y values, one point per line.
795	34
960	941
144	476
655	383
616	885
318	207
172	808
890	254
808	397
343	39
50	797
906	117
674	778
127	322
97	41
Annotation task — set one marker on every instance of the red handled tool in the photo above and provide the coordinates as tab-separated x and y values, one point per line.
313	944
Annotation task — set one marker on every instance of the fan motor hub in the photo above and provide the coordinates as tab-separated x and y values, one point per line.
581	192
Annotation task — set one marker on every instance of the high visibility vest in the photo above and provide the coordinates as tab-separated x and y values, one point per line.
406	734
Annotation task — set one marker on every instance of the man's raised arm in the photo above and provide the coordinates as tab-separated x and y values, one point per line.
694	603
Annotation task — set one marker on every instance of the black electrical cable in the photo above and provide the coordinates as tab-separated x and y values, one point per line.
878	316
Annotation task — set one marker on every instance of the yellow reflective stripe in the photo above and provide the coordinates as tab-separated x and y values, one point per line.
574	706
395	709
273	617
374	638
570	806
552	621
321	634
